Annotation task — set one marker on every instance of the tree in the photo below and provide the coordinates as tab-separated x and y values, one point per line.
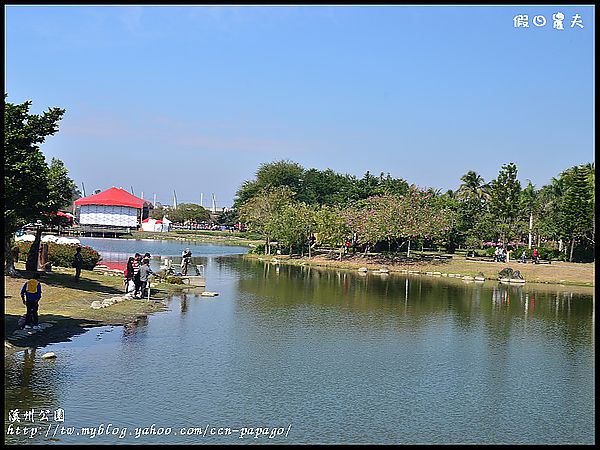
189	212
61	188
270	175
505	193
550	199
326	187
260	212
228	218
473	187
293	224
247	190
577	209
26	174
159	212
330	226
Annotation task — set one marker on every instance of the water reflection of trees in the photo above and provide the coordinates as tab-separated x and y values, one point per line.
396	298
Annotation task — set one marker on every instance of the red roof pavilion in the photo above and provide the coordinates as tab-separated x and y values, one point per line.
113	197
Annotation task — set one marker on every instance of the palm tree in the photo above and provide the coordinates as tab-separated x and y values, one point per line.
472	187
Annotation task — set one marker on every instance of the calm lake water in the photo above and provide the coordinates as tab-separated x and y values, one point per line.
322	356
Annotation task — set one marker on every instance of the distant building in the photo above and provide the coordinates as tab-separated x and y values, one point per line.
114	208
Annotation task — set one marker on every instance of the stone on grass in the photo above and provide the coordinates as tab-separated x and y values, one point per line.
96	304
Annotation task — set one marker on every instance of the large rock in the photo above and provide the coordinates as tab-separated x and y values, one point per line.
96	304
49	355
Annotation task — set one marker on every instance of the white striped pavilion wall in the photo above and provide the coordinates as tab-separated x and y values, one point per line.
119	216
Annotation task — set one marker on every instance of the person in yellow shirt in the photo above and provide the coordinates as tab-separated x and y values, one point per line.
31	293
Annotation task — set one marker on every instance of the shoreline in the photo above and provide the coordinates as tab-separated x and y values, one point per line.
191	236
558	274
66	306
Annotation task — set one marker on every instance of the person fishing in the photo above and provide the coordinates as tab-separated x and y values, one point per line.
186	260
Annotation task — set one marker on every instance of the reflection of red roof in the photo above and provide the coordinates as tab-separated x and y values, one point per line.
112	197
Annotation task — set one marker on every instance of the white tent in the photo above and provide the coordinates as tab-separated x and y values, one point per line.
156	225
166	224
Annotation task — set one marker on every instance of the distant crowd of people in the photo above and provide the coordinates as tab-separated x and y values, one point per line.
136	275
208	227
502	254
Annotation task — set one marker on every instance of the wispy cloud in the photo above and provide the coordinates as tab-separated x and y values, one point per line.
175	134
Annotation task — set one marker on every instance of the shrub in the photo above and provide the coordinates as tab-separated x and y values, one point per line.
259	249
489	251
61	255
174	280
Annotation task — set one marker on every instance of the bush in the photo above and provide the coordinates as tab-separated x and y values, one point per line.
489	251
259	249
61	255
174	280
548	253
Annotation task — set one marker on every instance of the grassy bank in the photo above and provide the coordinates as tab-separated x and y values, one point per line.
562	273
66	305
203	236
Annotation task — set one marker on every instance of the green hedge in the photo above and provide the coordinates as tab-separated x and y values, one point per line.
61	255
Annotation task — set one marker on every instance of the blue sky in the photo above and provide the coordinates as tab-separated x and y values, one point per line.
195	98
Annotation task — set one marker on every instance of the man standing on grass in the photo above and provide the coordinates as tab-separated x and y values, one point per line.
78	263
31	293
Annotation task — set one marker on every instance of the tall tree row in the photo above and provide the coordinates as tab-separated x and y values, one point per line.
375	210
